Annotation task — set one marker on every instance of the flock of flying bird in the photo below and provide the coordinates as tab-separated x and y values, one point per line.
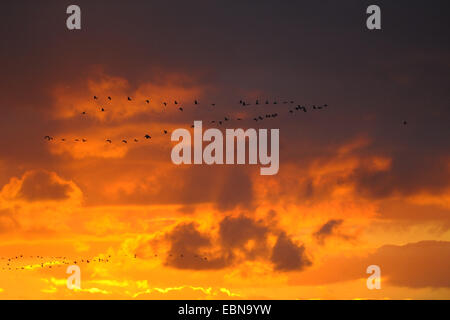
60	261
225	119
64	261
21	262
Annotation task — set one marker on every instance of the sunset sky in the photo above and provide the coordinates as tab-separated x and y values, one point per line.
356	186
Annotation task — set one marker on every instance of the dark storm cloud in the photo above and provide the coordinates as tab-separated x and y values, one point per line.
41	185
236	231
191	249
187	247
289	256
410	173
327	229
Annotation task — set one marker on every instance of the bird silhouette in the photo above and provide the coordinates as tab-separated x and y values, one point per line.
124	141
129	99
165	131
109	98
103	109
95	98
195	102
108	140
48	138
147	136
136	140
148	101
180	108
